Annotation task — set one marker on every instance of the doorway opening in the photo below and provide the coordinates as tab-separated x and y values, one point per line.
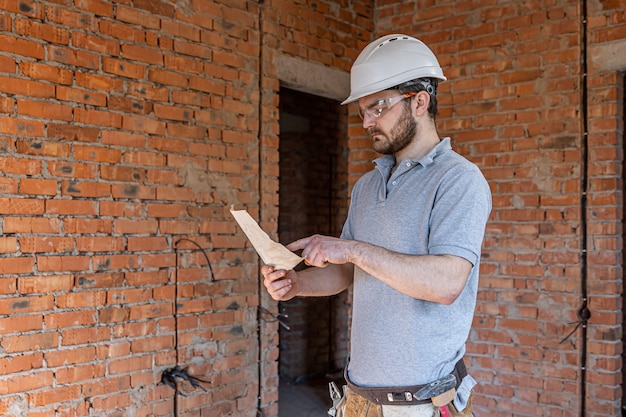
313	198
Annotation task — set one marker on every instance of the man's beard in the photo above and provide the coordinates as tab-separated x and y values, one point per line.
400	137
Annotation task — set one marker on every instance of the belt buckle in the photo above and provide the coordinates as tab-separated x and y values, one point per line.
399	396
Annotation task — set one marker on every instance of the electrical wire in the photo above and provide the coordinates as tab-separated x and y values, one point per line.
174	377
584	314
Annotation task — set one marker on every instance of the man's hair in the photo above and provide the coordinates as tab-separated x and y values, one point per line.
422	84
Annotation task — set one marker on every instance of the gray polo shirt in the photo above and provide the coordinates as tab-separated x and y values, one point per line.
438	204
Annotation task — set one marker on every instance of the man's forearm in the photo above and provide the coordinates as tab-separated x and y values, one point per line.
437	278
324	281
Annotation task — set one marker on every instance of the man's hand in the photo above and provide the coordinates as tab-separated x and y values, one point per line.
280	284
320	251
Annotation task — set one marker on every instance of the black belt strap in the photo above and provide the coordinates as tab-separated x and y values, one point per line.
400	395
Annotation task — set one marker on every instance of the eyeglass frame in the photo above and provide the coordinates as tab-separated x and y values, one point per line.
384	105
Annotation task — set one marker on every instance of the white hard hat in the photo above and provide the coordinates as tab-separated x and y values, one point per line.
390	61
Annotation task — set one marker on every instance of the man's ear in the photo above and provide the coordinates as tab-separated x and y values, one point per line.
420	103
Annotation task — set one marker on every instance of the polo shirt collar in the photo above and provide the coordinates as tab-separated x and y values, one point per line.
388	161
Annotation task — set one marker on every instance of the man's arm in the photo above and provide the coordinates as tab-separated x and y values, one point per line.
284	285
436	278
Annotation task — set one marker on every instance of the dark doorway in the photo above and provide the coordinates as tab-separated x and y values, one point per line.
313	198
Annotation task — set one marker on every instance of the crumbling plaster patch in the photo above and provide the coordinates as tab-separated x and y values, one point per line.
608	56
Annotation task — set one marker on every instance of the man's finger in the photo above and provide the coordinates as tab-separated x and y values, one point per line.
298	244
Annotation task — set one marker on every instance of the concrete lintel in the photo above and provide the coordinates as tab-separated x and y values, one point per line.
312	78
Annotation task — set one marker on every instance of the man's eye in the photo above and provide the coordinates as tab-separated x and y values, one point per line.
377	111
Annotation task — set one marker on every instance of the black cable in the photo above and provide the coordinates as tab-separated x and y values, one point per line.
172	376
583	313
259	411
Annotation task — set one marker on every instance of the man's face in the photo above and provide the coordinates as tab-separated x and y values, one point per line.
388	121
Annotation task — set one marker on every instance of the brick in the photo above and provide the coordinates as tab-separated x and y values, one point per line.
26	343
78	373
97	154
72	133
42	31
94	43
62	263
8	244
173	113
120	173
21	47
113	315
73	207
123	68
97	117
26	382
98	82
107	386
72	170
164	77
140	244
87	226
73	57
115	262
135	227
130	295
133	192
25	323
70	319
97	7
100	244
46	72
20	363
71	18
122	31
35	244
75	355
152	344
130	105
43	148
142	124
137	53
21	265
76	95
85	189
112	137
38	186
31	224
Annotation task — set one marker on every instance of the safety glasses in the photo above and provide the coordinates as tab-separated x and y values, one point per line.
377	109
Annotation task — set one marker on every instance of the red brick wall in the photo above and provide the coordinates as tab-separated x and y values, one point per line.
125	126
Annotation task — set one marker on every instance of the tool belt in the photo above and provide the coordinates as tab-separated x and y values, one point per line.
400	395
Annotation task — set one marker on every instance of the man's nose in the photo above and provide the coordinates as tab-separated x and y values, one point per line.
368	121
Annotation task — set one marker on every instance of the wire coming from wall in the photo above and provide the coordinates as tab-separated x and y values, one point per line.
175	376
584	314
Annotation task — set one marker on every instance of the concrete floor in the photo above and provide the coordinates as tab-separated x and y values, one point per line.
307	398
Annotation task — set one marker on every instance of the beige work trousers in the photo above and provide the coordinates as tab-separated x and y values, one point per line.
353	405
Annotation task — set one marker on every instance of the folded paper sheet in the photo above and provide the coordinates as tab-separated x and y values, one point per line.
271	253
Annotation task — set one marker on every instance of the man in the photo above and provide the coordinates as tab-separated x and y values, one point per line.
410	245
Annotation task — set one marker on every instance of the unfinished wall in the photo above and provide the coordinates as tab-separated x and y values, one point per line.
124	128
